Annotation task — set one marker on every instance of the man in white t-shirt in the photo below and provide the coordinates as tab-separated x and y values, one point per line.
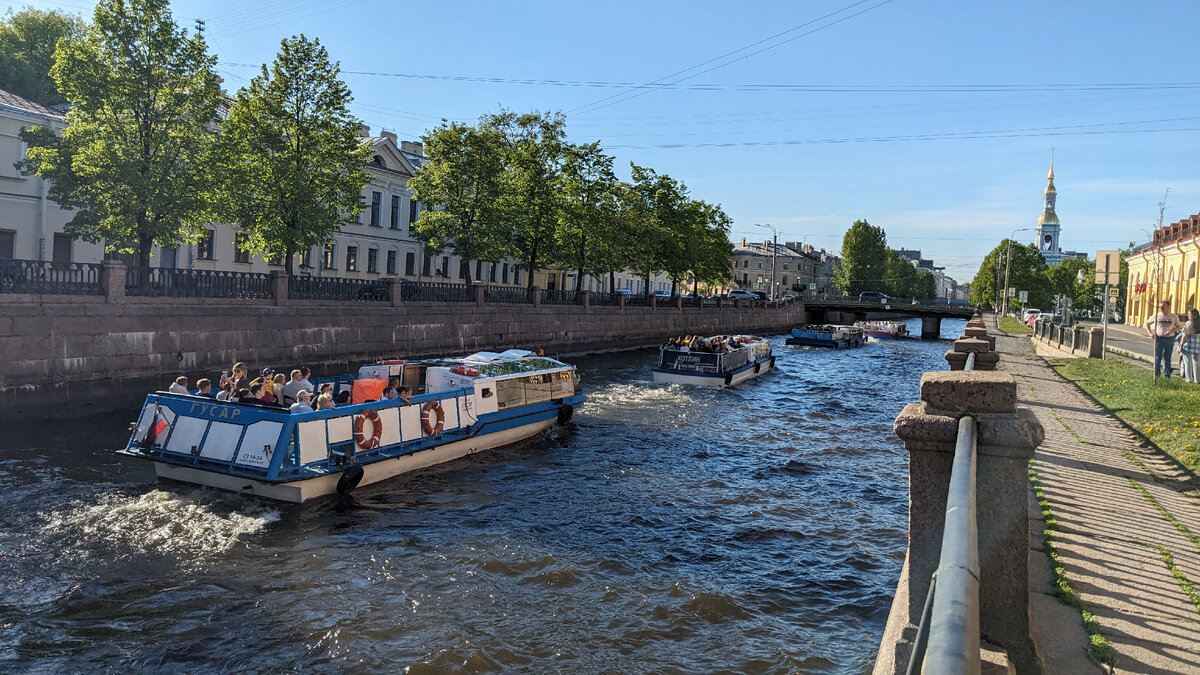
303	404
180	386
1162	327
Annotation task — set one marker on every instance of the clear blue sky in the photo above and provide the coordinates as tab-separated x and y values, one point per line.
932	119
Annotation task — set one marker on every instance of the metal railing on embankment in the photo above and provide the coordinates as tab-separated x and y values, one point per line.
948	634
40	276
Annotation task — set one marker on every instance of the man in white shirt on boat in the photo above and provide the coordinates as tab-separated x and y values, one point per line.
303	402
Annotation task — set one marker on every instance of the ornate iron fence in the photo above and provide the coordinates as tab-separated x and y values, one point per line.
507	294
171	283
556	297
335	288
438	291
40	276
606	299
637	300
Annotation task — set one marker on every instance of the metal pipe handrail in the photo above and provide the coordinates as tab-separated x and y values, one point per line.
953	642
970	364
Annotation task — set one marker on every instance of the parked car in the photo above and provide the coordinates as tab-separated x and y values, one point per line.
742	294
663	294
1031	316
872	296
623	291
787	297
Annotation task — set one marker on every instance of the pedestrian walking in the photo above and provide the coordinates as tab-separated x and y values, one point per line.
1162	327
1189	348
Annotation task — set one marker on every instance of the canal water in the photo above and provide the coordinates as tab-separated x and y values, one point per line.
759	529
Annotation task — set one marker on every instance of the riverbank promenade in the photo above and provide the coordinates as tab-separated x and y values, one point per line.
1126	529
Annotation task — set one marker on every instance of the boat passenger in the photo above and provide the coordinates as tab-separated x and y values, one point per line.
389	394
325	402
204	388
404	394
303	403
226	390
342	397
241	376
277	386
180	386
294	387
305	374
240	395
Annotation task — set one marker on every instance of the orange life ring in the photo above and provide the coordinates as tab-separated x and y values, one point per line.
365	442
430	411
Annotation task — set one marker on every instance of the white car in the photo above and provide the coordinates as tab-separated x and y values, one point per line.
1029	314
662	294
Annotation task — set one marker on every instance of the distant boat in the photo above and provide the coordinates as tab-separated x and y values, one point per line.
461	406
827	335
718	361
883	330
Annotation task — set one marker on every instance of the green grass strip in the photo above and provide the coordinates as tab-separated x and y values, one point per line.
1014	326
1068	427
1184	583
1165	514
1098	646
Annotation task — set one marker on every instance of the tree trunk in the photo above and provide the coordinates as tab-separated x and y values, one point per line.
287	259
612	281
467	265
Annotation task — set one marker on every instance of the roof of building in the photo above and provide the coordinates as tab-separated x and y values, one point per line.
13	102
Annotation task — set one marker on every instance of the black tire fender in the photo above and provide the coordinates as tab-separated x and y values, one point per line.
565	413
350	479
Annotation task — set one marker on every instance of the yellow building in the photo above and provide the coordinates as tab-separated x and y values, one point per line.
1164	269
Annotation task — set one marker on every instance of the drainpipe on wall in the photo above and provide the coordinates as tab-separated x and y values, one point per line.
42	220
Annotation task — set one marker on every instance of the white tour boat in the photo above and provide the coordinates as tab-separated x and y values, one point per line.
461	406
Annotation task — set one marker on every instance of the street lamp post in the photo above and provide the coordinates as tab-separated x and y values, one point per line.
774	253
1008	265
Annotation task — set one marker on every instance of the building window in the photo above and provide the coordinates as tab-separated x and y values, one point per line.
463	268
240	256
505	277
493	276
376	207
425	267
391	262
479	271
395	224
785	266
784	282
760	264
204	248
8	240
168	258
306	259
351	258
410	263
745	264
412	213
446	266
373	261
330	262
516	275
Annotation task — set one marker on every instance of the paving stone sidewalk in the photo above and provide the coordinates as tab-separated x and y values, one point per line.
1128	535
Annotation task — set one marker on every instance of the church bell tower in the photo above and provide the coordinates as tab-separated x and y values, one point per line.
1048	226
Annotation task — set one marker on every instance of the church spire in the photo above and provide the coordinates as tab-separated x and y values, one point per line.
1050	176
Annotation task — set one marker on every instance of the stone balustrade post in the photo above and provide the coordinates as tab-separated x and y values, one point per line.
397	291
584	298
1007	437
279	286
480	295
535	296
112	281
652	302
620	301
1096	343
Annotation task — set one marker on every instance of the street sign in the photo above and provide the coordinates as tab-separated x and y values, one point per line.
1012	291
1108	267
1114	292
812	285
1024	297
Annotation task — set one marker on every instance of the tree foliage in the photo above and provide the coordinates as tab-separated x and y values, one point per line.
133	159
1026	272
589	210
463	177
27	42
531	200
291	161
864	259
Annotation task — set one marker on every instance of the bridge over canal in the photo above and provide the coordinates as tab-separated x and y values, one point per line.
849	311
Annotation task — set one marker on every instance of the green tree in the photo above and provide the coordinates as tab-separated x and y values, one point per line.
864	259
1074	279
900	277
132	159
463	177
531	199
926	289
27	42
292	163
587	222
1027	272
641	233
711	266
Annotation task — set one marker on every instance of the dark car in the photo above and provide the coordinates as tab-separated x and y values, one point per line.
872	296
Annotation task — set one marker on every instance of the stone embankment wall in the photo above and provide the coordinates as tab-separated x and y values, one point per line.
80	350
